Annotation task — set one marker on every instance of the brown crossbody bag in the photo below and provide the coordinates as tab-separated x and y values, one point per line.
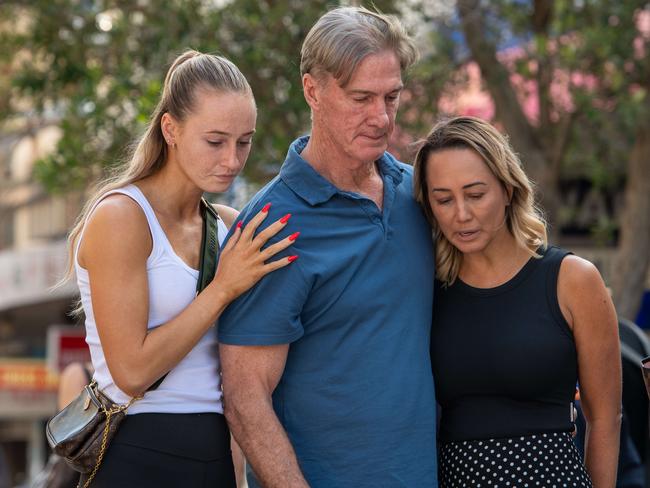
81	432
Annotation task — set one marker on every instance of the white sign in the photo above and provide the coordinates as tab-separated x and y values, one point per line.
28	275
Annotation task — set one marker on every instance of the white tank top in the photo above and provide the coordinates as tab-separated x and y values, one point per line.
194	385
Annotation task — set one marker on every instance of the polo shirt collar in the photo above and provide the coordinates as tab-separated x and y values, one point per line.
307	183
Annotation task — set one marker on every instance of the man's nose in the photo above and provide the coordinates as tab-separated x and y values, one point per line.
380	117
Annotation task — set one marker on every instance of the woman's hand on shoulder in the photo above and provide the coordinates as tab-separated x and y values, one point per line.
243	262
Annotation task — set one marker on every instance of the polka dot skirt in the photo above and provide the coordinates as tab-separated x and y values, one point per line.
542	460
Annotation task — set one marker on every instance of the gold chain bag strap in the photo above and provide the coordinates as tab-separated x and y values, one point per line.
81	432
83	429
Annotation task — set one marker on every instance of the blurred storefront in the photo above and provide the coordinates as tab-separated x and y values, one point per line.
37	338
37	333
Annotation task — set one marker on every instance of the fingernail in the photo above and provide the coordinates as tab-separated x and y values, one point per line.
291	259
266	207
239	224
285	218
294	236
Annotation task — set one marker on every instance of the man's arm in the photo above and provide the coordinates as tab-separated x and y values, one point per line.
250	374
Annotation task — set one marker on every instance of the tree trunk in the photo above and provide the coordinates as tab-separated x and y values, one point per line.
522	135
633	257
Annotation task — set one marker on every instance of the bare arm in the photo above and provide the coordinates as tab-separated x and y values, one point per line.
227	214
239	463
114	250
72	380
589	310
250	374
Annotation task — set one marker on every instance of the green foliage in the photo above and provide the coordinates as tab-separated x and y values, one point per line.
589	66
95	68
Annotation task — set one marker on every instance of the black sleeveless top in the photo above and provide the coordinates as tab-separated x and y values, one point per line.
504	359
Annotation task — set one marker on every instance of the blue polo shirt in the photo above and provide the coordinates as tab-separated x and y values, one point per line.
356	397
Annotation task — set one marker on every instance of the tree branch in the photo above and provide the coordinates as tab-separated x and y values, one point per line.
508	110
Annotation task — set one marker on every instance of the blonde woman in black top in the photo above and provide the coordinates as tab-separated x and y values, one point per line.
516	324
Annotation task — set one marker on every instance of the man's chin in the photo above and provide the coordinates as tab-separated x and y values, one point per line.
373	154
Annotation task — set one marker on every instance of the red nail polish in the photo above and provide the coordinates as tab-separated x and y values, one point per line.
285	218
239	224
291	259
266	207
294	236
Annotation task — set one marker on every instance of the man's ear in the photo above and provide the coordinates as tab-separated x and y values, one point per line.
312	87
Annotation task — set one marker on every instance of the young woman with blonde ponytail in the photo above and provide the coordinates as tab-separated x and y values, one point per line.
135	251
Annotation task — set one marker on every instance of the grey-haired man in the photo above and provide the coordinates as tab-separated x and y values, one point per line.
326	370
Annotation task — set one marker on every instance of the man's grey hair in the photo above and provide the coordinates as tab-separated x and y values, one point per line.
341	38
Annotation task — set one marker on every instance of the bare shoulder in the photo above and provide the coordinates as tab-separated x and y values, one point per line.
227	214
578	272
116	224
581	290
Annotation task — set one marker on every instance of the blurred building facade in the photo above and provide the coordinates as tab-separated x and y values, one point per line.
33	226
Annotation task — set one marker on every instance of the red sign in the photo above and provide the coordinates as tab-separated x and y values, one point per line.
66	345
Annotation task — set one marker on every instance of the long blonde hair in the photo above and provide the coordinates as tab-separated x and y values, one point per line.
524	219
190	71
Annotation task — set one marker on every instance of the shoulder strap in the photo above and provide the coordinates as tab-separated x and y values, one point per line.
209	256
209	246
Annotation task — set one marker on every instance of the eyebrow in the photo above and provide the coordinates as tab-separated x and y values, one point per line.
222	133
465	187
369	92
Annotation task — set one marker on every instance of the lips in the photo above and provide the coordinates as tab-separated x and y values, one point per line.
375	138
467	235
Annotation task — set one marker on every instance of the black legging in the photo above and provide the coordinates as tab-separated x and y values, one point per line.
168	450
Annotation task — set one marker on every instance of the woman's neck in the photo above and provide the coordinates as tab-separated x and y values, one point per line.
171	193
499	262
